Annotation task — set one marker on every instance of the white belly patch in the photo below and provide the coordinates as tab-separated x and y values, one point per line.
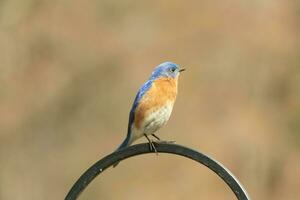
156	119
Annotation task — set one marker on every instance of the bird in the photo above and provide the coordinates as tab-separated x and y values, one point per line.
153	105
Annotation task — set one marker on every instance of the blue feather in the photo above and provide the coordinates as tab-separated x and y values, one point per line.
142	91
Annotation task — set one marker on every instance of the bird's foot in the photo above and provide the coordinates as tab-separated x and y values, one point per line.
159	141
151	144
165	142
152	147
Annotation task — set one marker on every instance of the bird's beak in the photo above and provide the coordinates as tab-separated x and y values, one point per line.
181	70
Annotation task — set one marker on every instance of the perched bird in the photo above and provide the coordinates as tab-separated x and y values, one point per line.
153	104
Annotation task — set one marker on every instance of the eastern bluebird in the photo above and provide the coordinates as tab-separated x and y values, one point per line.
153	104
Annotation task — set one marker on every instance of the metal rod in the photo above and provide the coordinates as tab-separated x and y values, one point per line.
139	149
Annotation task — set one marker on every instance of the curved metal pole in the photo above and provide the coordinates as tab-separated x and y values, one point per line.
138	149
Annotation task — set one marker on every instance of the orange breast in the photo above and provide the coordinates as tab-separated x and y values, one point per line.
162	91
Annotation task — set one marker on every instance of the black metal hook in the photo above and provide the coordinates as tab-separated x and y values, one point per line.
138	149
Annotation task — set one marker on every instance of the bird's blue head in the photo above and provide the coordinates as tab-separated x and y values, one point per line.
166	69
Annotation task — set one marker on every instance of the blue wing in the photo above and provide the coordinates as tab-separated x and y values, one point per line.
142	91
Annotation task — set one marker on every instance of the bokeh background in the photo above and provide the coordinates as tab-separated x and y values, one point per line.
70	70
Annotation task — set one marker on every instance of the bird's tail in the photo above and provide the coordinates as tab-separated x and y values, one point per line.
124	144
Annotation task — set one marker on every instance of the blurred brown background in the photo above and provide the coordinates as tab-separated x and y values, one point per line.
70	70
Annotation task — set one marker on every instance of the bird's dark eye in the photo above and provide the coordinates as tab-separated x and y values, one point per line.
172	70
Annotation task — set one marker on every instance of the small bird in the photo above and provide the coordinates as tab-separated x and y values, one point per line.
153	104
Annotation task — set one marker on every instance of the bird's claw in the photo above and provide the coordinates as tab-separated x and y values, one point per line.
164	142
152	146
